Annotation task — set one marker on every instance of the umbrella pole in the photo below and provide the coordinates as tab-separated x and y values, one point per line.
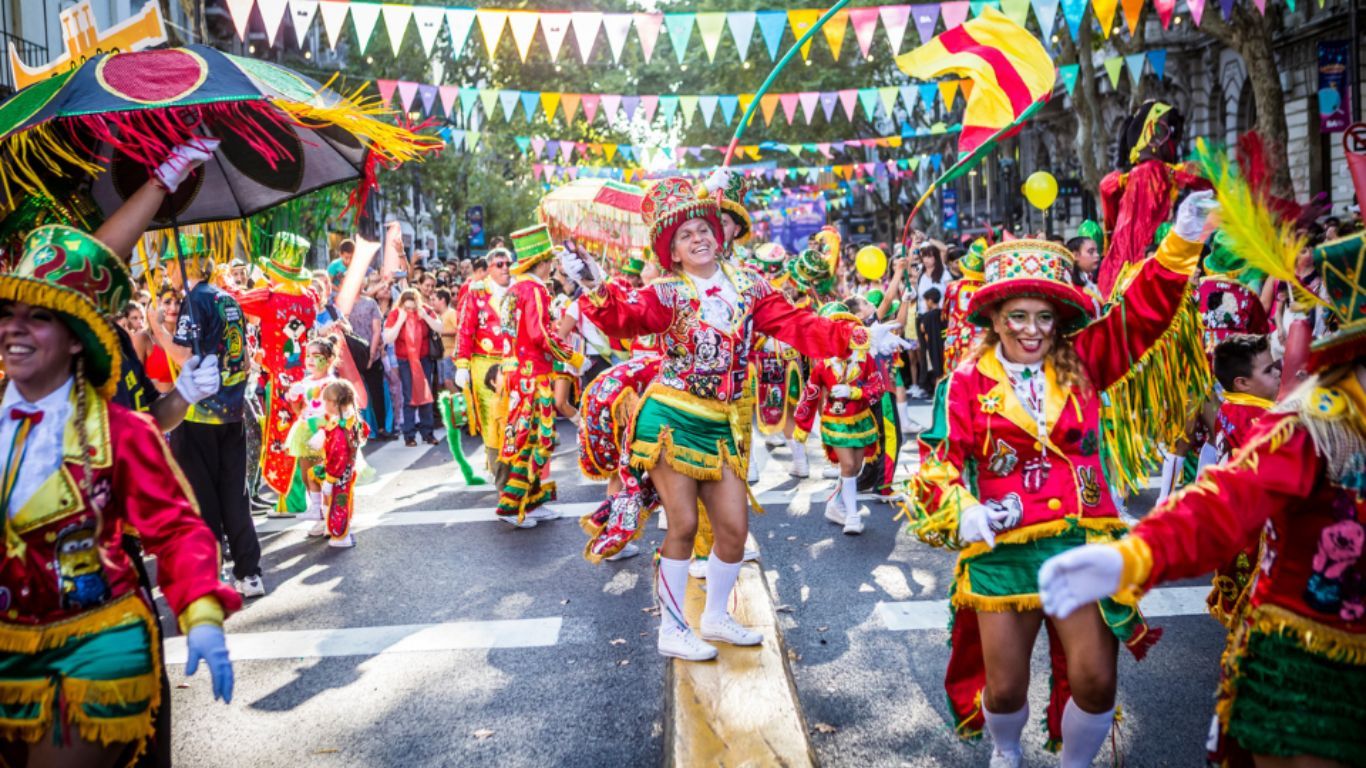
186	306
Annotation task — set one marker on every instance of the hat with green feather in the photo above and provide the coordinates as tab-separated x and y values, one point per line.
285	263
1342	263
71	273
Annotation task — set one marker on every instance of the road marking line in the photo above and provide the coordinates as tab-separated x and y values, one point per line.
390	461
381	641
934	614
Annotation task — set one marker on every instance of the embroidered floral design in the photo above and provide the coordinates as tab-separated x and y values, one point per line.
992	402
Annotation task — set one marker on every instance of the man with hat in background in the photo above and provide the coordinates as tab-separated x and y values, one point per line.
285	312
529	437
481	346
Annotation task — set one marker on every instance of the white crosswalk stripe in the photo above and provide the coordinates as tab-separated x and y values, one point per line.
914	615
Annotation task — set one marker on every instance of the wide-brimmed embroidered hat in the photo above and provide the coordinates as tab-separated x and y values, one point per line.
66	270
669	203
286	260
1341	263
811	269
1036	268
837	310
531	247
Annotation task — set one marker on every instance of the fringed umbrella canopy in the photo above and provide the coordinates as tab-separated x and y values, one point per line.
599	212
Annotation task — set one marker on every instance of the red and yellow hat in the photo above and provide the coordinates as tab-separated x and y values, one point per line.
1036	268
668	204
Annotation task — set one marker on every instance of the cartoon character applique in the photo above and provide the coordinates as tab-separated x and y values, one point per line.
1340	546
1003	460
1035	474
295	330
1012	506
80	574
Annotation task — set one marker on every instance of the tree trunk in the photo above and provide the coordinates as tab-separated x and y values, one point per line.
1249	34
1093	135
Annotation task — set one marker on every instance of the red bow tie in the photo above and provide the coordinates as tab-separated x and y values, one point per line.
715	290
19	414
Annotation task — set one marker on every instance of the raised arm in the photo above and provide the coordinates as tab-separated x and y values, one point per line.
626	314
813	336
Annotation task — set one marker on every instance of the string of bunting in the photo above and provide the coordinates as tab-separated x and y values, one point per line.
429	21
551	173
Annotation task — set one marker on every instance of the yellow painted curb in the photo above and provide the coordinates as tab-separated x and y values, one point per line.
741	709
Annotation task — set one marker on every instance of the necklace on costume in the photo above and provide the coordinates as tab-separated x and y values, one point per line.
1031	388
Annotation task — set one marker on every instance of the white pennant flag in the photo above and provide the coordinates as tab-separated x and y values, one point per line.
240	11
742	29
523	24
618	26
334	16
396	18
272	13
428	19
364	16
554	25
459	20
586	25
301	12
491	23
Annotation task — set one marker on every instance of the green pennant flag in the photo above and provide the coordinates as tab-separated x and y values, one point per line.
1113	66
1068	74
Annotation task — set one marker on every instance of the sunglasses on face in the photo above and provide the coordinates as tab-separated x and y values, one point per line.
499	264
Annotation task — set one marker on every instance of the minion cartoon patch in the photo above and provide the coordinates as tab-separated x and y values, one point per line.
80	574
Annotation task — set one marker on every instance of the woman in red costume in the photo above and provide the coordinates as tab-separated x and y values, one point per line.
693	426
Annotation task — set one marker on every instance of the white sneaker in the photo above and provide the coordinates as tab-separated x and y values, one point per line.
542	513
830	473
683	644
912	427
751	554
1004	760
800	467
853	524
628	551
918	393
312	513
727	630
834	510
345	542
698	568
319	529
512	521
251	586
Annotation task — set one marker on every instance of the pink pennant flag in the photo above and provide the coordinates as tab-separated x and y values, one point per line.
386	91
894	20
406	92
586	25
809	99
448	96
590	106
849	99
1261	6
647	29
240	11
617	26
955	13
566	150
536	169
789	102
610	103
1197	10
1164	11
538	145
865	24
554	25
648	105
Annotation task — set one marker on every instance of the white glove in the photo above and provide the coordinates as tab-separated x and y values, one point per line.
841	391
462	378
718	180
184	159
974	524
1078	577
580	269
885	341
1193	214
198	378
317	441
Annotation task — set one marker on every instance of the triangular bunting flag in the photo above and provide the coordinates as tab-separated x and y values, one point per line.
649	104
334	16
1016	10
978	6
789	102
272	14
909	96
610	103
771	26
468	98
586	25
925	17
406	92
668	105
1197	8
386	91
240	11
1165	8
1073	12
679	26
459	20
428	19
555	26
590	106
448	94
549	103
688	106
809	100
529	101
1046	12
865	24
929	92
488	98
741	25
834	30
868	100
1133	9
629	104
570	103
1105	15
508	100
427	93
728	107
888	97
954	13
1134	62
396	18
647	29
302	12
364	16
768	105
708	106
523	24
849	100
1068	74
1158	59
894	20
524	143
1225	5
491	23
828	101
801	21
947	90
609	151
1113	66
710	26
618	27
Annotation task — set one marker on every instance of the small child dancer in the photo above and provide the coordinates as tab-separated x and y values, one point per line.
343	433
846	386
305	399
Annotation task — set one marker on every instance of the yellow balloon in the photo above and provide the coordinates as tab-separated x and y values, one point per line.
1041	189
871	262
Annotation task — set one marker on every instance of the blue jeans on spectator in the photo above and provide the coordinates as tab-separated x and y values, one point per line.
415	417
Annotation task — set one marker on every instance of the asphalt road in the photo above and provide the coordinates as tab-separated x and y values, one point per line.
448	638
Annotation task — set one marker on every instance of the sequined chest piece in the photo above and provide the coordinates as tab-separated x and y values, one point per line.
708	345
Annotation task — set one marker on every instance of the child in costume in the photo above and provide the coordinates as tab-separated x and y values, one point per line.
1293	689
689	439
342	436
842	389
1012	471
305	398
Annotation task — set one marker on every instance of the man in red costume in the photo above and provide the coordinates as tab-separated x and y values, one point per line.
481	346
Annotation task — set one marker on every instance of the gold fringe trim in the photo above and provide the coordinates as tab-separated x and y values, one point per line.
114	730
35	154
25	691
129	609
129	690
1047	530
1316	638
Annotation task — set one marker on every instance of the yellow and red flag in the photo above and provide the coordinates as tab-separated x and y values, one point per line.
1011	74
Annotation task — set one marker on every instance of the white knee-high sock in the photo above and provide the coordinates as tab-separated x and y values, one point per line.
1171	473
672	586
315	501
721	578
1005	728
1083	734
849	495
